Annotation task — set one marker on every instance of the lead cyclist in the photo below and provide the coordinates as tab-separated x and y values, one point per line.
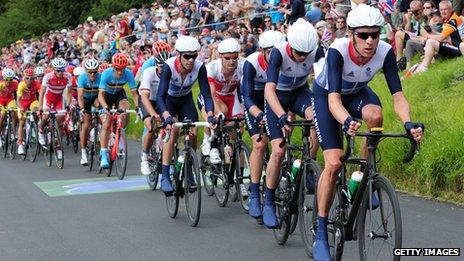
341	96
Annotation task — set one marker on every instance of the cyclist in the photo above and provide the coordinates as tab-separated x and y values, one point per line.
87	94
8	87
252	91
147	91
224	75
39	73
341	95
51	95
111	93
158	47
103	67
174	97
287	90
27	94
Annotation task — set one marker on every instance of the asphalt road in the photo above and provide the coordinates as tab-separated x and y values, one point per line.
135	225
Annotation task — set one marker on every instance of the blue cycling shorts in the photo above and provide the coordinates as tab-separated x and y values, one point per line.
327	127
252	124
182	107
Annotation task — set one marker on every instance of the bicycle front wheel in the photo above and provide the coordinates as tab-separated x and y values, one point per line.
283	214
58	147
307	206
192	185
121	157
32	142
13	142
244	177
379	229
221	183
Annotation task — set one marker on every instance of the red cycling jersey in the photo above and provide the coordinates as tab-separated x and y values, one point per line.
54	87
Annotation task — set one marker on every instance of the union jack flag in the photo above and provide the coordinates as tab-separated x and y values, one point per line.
386	6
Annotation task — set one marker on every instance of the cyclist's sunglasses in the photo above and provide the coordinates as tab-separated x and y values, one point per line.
8	79
92	72
188	56
301	53
228	58
59	70
366	35
28	78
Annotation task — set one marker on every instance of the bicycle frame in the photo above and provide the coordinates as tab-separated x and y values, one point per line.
369	164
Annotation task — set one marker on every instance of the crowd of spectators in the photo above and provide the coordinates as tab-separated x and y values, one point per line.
413	27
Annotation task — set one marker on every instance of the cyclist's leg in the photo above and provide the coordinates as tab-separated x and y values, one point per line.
147	141
123	104
105	130
206	144
220	107
328	132
85	128
366	105
20	131
302	106
272	172
168	147
189	112
44	121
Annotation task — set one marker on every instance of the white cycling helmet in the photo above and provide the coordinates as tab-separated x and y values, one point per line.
229	45
80	70
270	38
89	64
59	63
39	71
187	44
8	73
302	36
364	16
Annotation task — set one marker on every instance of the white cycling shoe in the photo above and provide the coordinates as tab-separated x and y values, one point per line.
214	157
145	168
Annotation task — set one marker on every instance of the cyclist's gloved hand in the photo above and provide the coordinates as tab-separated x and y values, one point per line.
169	120
283	120
350	126
416	129
212	120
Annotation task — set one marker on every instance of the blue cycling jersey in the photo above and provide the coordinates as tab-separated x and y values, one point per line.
148	63
254	78
342	72
114	85
284	71
172	84
90	88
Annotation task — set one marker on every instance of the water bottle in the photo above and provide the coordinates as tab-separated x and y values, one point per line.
179	163
295	170
227	153
353	184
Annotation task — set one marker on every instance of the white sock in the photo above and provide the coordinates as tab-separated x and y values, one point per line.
83	151
144	156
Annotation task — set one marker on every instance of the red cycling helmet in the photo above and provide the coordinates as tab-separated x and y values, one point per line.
120	61
161	46
29	72
103	67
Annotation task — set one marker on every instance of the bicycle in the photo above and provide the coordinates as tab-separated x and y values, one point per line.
9	133
93	139
117	144
53	147
229	178
155	155
288	195
31	141
347	216
186	180
72	127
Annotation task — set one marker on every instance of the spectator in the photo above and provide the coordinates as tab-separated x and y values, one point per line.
149	22
414	20
161	27
342	28
297	9
122	26
440	43
268	24
315	14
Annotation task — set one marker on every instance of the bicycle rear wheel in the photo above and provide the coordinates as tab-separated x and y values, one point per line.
154	160
207	176
57	147
380	229
192	185
307	206
32	142
6	139
244	178
121	157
